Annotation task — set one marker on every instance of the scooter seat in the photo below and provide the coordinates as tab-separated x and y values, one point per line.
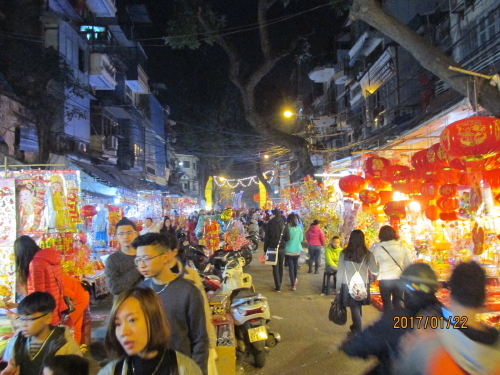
245	294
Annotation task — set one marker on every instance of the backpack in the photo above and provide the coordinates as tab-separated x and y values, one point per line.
356	286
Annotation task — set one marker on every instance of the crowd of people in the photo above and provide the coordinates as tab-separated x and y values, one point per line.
160	320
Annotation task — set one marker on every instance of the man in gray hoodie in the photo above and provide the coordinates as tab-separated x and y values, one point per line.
459	344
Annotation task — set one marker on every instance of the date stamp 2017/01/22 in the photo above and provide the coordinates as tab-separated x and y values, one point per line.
434	322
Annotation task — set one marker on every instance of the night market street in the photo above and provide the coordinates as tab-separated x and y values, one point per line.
309	341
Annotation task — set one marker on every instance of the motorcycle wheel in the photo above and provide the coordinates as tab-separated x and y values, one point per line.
247	254
259	357
254	246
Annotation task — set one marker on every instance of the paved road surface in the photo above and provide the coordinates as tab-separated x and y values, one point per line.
309	341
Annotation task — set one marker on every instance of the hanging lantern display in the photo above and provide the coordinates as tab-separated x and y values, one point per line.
448	204
369	197
352	184
375	165
429	190
447	176
437	157
389	174
88	212
395	209
385	196
473	137
375	182
432	212
448	190
492	178
409	182
420	162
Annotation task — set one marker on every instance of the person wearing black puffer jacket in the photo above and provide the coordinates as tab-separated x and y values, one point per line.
277	234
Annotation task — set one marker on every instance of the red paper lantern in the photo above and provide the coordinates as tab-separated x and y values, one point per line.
376	183
409	181
375	165
352	184
432	212
448	204
429	190
448	216
473	137
369	197
88	211
492	177
437	157
458	163
419	161
448	190
385	196
390	173
395	209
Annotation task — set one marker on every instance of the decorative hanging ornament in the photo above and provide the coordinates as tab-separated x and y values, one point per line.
419	161
437	157
352	184
88	212
448	190
448	204
375	165
390	173
429	190
432	212
473	137
492	178
369	197
385	196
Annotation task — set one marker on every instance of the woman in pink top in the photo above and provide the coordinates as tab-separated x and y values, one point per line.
316	240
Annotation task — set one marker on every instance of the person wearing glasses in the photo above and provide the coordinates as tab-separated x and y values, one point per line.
120	271
37	340
182	301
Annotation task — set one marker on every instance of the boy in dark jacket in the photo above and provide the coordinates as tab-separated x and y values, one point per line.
36	339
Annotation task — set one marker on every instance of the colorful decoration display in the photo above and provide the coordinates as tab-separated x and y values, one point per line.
375	165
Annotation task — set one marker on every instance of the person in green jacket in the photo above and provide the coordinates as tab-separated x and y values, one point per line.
332	254
293	248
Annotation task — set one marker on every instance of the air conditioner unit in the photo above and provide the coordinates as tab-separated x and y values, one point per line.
111	142
80	146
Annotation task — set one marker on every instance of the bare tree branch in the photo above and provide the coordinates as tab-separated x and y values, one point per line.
428	55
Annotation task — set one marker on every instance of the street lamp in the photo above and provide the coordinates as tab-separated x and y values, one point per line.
288	113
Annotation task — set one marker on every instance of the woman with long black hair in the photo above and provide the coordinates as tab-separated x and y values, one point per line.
355	258
39	270
167	227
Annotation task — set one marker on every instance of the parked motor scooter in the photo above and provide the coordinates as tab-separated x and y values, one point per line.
253	237
250	313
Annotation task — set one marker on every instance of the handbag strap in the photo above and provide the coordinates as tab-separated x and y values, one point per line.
397	264
281	235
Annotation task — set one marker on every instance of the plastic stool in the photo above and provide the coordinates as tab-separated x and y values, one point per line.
325	289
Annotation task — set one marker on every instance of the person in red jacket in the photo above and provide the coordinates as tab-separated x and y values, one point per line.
39	270
316	240
73	289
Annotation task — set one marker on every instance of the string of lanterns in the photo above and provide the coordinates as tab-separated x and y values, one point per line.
244	182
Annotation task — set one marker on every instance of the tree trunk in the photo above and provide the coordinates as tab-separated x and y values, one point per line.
428	55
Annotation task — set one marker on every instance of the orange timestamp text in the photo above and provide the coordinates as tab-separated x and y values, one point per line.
433	322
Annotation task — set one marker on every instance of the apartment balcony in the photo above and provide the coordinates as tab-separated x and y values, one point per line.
102	72
137	80
365	45
104	146
323	68
102	8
